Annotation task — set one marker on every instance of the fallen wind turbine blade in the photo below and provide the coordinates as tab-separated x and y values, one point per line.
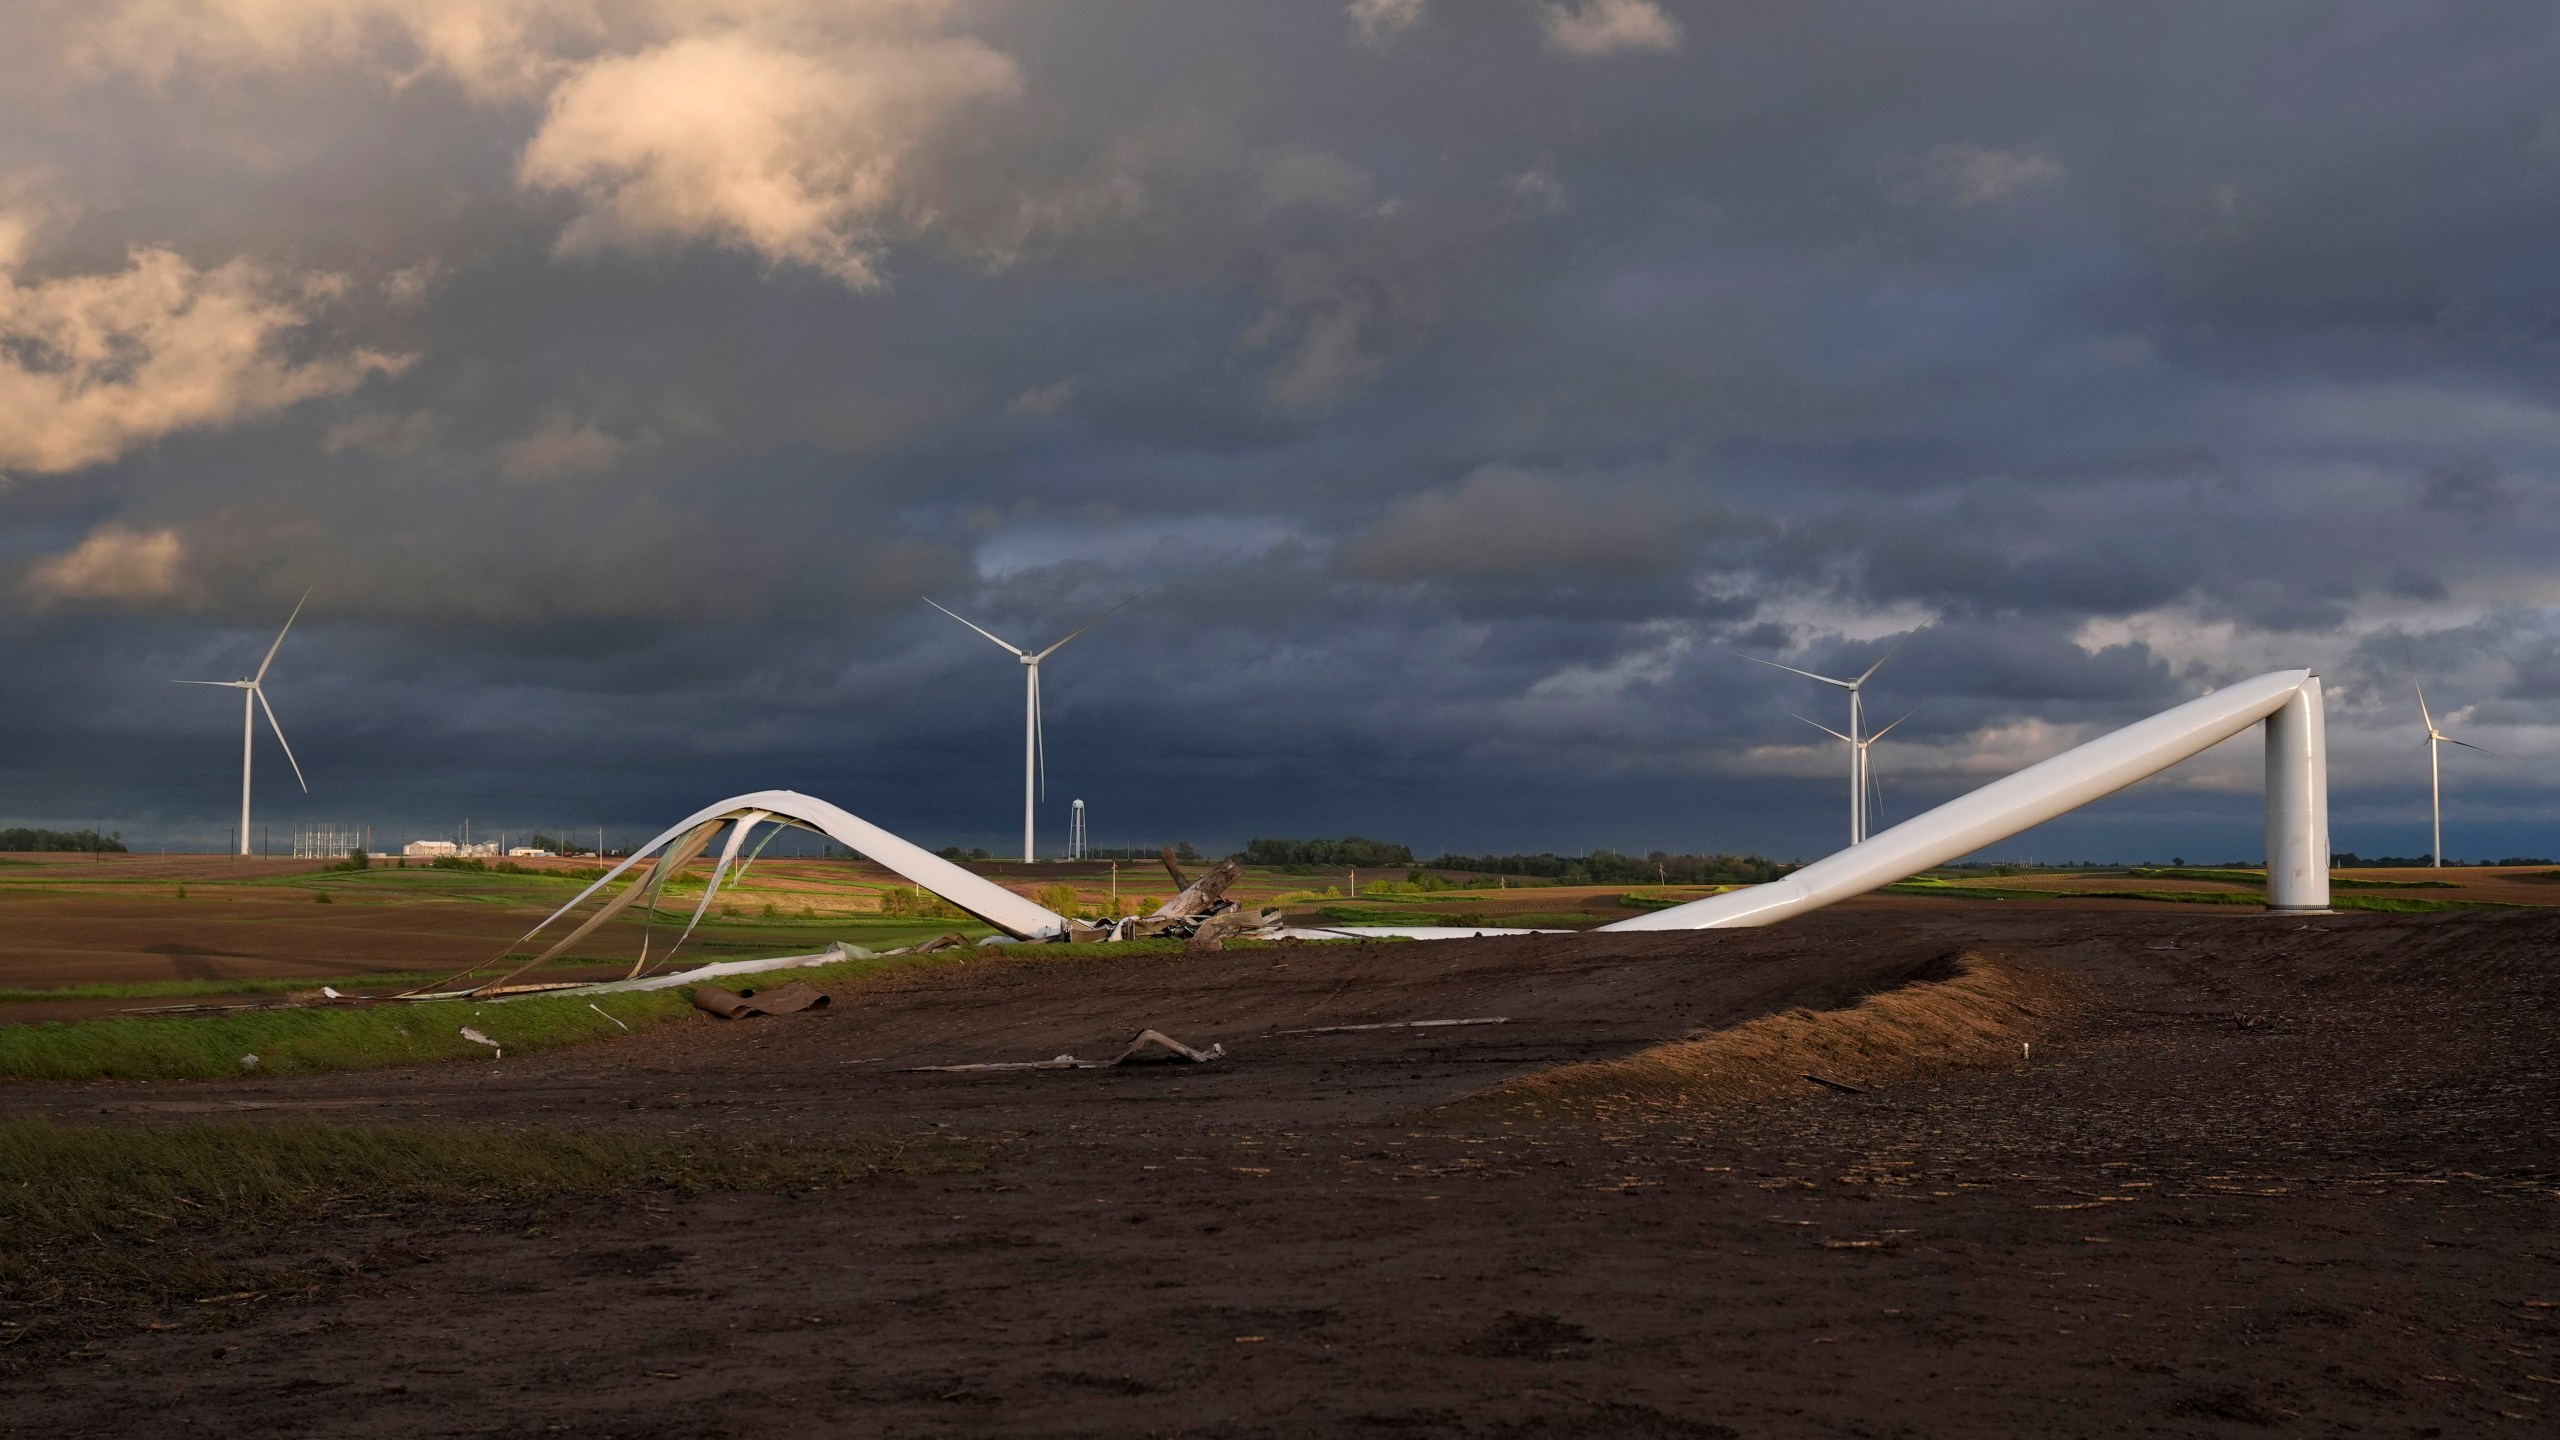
288	627
728	856
1790	669
739	880
261	693
1096	620
1007	644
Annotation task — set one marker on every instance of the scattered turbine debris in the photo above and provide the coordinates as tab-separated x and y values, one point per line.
1148	1047
787	999
1399	1025
1200	912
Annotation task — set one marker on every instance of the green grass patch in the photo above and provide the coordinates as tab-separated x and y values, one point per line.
161	989
2411	905
2226	877
1941	889
1929	885
359	1037
2177	897
2258	878
1663	900
98	1223
2383	904
875	935
1366	915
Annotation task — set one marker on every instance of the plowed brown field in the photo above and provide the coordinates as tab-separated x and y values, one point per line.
2256	1175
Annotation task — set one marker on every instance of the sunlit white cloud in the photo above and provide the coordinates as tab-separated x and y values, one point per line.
796	157
113	563
1593	28
92	366
1376	20
1969	175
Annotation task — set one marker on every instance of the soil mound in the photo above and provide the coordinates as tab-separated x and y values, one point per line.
1962	1011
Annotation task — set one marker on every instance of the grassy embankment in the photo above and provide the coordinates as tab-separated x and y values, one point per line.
757	921
108	1229
1968	1012
347	1037
306	1039
2254	893
1491	920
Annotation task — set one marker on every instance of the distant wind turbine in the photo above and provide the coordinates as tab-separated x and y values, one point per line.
253	698
1866	765
2435	770
1035	752
1857	722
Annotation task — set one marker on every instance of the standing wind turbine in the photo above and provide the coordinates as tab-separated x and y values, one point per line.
2435	771
1035	754
253	698
1866	765
1857	720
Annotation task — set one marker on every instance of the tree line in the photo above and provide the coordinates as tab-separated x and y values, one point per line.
1350	851
86	842
1608	867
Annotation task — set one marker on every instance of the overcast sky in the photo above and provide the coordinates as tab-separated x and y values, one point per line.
1471	377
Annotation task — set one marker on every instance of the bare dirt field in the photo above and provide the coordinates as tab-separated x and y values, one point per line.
2269	1176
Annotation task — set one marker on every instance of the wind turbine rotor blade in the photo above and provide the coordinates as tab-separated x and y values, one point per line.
1040	731
1907	714
2422	710
2483	749
1007	644
272	649
223	684
1825	729
279	729
1898	644
1096	620
1790	669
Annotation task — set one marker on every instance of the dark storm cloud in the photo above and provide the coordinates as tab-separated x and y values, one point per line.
1471	379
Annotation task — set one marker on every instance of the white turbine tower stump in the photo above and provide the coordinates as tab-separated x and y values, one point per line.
2297	756
253	698
1035	769
2435	772
1856	737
